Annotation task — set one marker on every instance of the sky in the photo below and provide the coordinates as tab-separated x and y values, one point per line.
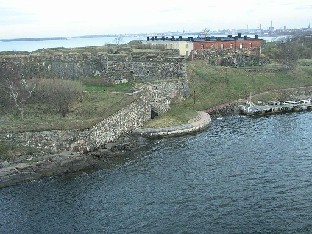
53	18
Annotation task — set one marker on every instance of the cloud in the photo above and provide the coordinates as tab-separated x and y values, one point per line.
19	17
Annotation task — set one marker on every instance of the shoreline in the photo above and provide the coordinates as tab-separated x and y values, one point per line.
69	162
36	167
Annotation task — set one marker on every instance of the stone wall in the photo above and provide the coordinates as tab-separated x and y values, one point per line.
109	67
157	96
51	141
231	57
201	121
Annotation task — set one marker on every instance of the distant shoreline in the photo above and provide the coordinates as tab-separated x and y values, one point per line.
35	39
98	36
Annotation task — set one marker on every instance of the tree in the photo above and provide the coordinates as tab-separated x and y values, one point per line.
58	94
16	88
289	53
290	50
118	40
20	91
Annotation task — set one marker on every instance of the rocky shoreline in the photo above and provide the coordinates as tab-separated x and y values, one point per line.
34	167
47	165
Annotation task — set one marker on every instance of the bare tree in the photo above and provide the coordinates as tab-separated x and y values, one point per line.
118	40
58	94
16	88
20	91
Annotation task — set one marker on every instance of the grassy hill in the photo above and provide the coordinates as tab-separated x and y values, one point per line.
214	85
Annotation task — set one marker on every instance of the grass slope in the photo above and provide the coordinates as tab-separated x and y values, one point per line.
97	103
214	85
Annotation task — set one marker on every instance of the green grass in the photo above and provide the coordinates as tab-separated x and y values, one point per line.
305	62
97	103
214	85
177	115
228	84
98	87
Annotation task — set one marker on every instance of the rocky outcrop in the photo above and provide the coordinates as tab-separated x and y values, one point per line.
33	167
48	165
224	109
231	57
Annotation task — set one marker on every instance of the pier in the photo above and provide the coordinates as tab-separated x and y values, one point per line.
275	107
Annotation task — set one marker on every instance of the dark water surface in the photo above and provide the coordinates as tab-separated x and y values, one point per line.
241	175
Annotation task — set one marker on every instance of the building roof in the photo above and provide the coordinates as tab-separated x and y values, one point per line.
202	39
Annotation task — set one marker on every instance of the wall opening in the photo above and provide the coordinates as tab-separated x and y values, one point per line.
153	114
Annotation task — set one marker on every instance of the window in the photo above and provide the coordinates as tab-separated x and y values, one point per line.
231	45
202	46
250	45
222	46
241	45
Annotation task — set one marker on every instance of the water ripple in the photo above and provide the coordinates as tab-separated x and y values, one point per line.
241	175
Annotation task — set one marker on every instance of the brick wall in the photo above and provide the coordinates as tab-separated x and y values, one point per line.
234	44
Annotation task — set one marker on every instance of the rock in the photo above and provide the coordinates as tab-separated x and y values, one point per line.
4	164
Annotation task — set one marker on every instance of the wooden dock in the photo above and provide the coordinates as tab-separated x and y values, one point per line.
275	107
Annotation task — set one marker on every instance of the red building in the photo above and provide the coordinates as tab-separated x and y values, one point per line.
220	43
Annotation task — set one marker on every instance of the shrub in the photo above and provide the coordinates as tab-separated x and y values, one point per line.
58	94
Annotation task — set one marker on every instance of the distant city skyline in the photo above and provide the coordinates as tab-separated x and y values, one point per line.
41	18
